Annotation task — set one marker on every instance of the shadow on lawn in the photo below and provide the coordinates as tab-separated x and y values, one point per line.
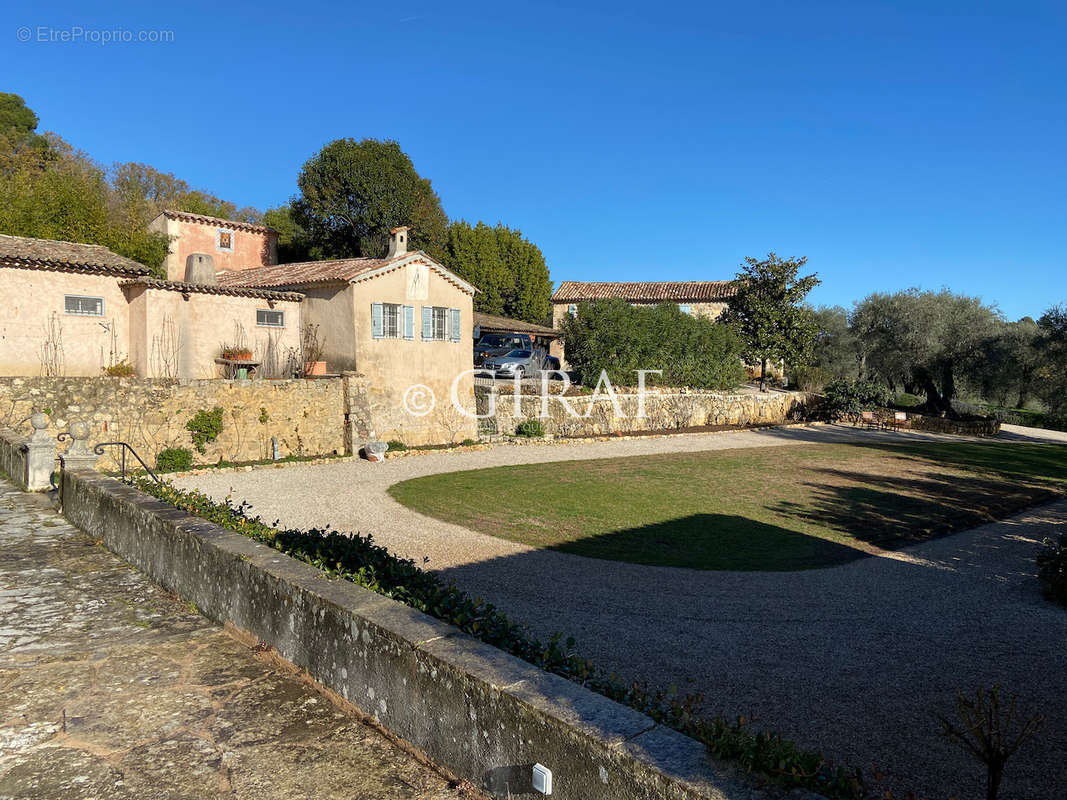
714	542
892	512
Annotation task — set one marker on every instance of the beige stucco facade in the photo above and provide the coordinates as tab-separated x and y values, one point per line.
250	245
176	334
35	316
343	313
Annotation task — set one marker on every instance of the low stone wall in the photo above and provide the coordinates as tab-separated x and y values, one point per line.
306	416
663	411
13	454
483	714
980	427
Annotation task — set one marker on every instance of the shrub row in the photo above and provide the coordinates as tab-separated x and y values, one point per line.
617	338
357	558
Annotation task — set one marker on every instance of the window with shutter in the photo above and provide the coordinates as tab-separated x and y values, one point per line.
427	323
456	329
376	320
409	322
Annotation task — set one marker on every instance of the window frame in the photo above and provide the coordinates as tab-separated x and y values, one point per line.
279	311
66	309
392	313
218	240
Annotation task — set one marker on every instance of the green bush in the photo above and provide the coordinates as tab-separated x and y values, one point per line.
1052	569
205	427
396	445
174	459
907	400
356	558
810	379
846	399
613	336
531	428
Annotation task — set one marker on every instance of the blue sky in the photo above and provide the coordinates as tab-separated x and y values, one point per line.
894	143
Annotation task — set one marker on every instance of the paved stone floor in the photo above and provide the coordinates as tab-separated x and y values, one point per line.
111	688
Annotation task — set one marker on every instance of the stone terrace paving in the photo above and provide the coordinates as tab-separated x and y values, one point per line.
111	687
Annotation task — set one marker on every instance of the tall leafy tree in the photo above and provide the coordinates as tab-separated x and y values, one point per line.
353	192
18	130
926	340
836	350
509	270
1052	372
293	242
769	312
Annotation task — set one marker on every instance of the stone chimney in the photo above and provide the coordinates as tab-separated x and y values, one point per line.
398	241
200	268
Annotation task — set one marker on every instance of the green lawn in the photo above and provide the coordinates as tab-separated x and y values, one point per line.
768	508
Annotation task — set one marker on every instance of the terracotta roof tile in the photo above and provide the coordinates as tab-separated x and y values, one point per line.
238	225
207	288
645	291
304	273
23	251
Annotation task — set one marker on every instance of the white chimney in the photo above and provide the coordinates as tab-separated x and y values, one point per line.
398	241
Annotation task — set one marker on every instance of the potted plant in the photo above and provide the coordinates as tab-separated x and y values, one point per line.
236	353
313	348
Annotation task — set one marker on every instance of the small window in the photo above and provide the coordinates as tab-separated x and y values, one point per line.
268	318
225	240
572	309
685	309
83	306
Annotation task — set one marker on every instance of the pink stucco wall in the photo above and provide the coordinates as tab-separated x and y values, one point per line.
250	248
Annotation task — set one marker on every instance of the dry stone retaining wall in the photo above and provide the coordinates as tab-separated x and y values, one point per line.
663	411
306	416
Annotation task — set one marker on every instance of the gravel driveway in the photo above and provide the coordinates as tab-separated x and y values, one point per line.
853	660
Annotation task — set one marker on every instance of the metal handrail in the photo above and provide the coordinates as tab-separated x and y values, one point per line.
99	450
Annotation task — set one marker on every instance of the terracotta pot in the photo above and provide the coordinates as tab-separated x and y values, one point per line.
238	355
315	368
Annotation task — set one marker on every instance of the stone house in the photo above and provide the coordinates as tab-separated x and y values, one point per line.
77	309
401	321
230	243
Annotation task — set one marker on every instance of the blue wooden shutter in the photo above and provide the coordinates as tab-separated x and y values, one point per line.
427	323
409	322
456	329
376	326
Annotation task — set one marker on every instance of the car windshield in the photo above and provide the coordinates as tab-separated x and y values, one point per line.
493	340
519	354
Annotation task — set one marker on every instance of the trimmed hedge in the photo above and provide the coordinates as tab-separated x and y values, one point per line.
356	558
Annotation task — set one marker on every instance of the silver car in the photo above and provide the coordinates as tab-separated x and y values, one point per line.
524	363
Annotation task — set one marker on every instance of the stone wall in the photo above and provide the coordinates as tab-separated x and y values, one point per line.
663	411
484	715
306	416
13	457
978	427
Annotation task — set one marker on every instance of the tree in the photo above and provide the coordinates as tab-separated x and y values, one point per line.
769	313
18	129
1052	346
836	350
352	193
293	243
924	339
613	336
509	270
1007	372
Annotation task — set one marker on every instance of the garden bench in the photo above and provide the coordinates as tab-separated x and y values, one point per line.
899	421
868	420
